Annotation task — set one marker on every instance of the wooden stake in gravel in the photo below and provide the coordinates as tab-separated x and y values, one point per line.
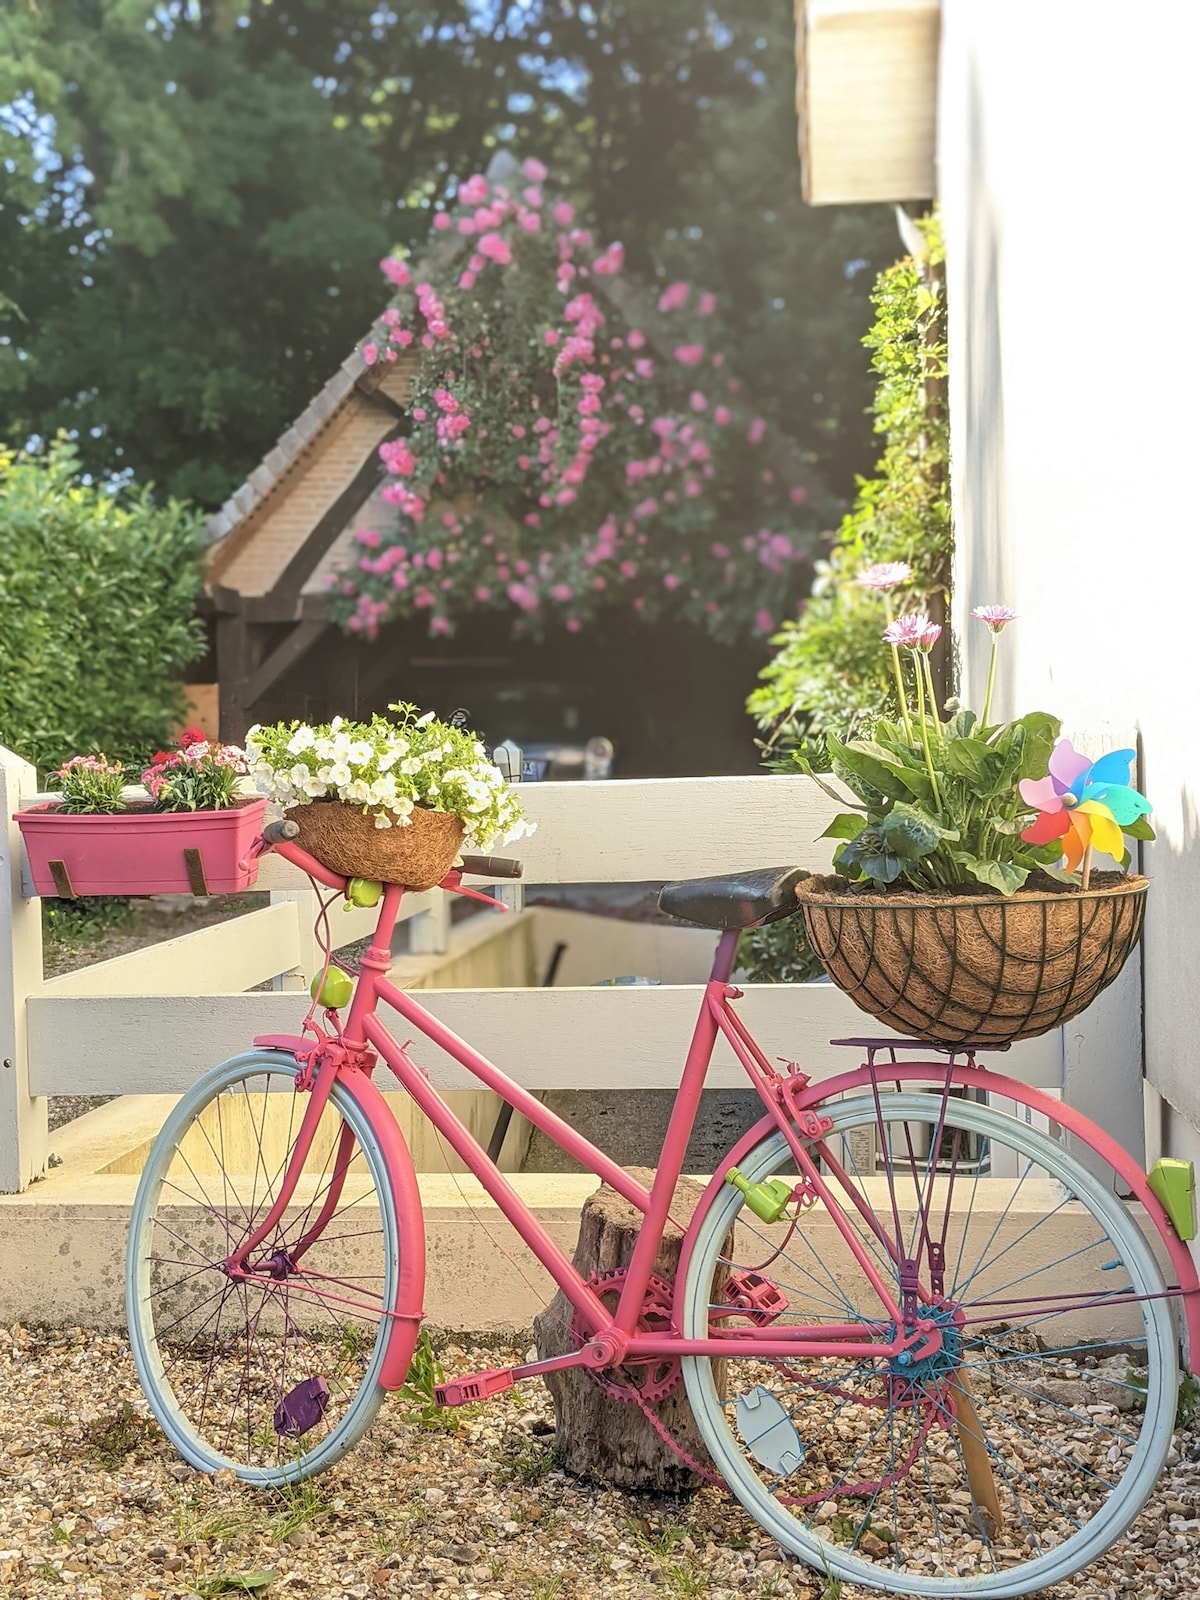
597	1437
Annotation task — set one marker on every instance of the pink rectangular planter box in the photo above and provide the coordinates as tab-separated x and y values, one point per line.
142	852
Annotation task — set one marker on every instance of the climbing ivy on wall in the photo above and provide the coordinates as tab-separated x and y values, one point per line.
829	674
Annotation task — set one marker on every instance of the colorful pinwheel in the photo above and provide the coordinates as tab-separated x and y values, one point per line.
1084	803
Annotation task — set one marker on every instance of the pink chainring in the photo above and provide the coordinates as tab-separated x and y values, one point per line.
644	1383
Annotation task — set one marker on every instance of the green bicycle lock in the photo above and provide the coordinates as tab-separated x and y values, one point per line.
1173	1185
767	1200
363	893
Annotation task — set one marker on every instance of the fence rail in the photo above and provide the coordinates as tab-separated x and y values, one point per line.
152	1021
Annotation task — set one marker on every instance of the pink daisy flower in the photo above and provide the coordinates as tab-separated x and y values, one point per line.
884	576
996	617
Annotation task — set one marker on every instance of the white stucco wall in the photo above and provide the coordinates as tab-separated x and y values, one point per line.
1067	171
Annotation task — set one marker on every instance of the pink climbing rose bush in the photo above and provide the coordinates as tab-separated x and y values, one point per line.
558	457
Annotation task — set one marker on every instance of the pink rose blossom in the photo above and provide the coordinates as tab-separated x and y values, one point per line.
474	192
564	214
551	336
698	401
482	594
611	262
670	581
756	431
465	226
495	249
573	624
395	271
706	304
629	569
529	221
637	339
466	280
441	220
534	170
419	414
797	494
763	620
370	354
722	415
689	355
674	297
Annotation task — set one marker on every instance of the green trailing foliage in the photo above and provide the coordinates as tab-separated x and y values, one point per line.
97	611
829	675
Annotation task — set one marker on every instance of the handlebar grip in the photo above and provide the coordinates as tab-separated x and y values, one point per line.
492	867
281	831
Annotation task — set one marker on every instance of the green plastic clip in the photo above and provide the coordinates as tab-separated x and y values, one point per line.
363	893
1173	1184
768	1201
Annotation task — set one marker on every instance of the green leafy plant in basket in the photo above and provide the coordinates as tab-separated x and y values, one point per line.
946	803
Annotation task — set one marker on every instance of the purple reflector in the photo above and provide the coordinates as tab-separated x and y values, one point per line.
301	1410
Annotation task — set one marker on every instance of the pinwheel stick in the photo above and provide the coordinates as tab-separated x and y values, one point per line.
1086	868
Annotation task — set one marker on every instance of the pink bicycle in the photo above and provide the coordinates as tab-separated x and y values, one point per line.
927	1350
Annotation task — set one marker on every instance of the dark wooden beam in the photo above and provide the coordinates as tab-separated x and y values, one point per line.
234	659
285	655
374	395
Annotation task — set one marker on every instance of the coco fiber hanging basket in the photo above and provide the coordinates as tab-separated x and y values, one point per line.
980	969
345	839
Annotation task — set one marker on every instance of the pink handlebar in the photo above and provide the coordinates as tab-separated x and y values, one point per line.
309	864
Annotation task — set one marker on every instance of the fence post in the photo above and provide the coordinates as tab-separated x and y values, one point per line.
311	960
22	1118
510	758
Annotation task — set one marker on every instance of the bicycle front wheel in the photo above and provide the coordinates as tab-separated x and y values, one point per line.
1005	1460
274	1374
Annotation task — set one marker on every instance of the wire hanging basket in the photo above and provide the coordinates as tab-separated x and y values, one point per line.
981	969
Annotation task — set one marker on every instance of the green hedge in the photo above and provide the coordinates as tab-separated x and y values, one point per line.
97	611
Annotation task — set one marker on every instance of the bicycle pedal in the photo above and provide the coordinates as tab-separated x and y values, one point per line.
760	1299
478	1386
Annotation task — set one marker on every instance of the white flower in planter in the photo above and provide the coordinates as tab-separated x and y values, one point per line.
389	768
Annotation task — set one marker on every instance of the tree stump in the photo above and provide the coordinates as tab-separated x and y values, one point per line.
599	1437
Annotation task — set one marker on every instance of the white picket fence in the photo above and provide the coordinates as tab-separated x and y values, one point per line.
151	1022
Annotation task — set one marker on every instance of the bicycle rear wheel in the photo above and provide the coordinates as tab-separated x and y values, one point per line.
275	1375
1006	1460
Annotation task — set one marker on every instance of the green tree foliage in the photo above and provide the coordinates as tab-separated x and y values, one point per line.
830	673
97	593
194	195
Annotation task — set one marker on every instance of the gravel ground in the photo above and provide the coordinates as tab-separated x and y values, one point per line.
95	1504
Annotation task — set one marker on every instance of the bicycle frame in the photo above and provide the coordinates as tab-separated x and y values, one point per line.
792	1107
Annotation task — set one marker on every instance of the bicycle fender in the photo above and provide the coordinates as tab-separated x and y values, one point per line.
408	1311
292	1043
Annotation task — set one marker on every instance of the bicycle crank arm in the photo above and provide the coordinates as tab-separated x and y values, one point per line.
495	1380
